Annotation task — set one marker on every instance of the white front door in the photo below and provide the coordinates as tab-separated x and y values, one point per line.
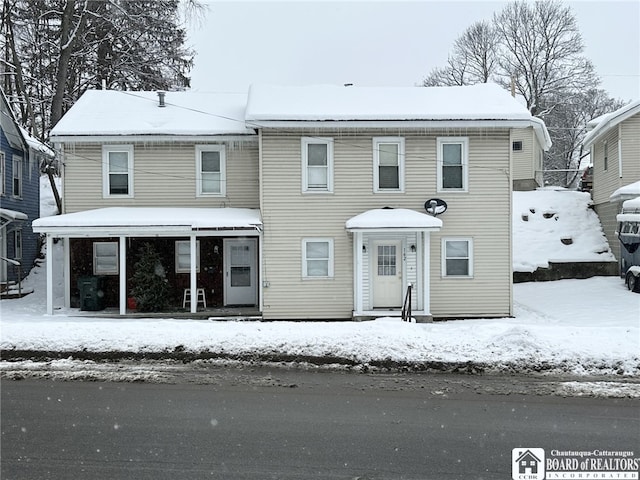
387	274
240	271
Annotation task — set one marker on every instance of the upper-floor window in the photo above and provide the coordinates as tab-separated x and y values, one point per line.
117	171
453	160
388	164
317	164
317	257
211	170
605	156
2	174
17	176
17	244
105	258
516	146
457	257
183	256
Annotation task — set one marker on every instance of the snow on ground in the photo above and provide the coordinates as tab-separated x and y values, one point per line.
550	215
577	327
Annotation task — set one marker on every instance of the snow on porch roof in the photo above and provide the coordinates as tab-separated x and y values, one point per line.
12	215
393	218
124	220
128	113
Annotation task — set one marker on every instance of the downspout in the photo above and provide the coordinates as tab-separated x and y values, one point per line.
620	150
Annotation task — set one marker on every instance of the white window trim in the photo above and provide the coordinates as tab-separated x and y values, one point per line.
116	269
223	170
106	149
305	141
304	257
376	163
2	173
188	269
464	141
443	249
16	167
605	156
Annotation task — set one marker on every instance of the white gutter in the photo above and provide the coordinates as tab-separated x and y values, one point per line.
537	124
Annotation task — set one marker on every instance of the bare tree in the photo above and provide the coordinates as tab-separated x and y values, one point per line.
541	50
57	49
567	126
473	58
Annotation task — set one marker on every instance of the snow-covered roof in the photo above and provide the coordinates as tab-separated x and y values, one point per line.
484	104
630	211
393	218
608	121
626	192
128	113
163	221
36	144
12	215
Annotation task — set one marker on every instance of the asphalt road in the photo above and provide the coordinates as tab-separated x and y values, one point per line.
264	424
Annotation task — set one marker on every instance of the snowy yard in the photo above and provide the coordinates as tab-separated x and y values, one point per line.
578	327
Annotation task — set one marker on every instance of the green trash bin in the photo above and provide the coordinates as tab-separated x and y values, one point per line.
91	293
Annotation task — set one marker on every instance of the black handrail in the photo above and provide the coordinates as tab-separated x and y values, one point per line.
406	307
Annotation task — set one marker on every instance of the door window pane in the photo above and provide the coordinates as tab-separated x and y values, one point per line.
386	260
240	276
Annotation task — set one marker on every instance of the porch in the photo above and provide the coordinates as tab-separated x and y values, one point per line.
225	314
213	250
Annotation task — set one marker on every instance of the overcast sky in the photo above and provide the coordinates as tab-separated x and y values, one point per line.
376	43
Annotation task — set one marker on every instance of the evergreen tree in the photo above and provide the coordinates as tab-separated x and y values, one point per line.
150	286
54	50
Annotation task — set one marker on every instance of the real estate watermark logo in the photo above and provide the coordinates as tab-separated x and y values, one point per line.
534	464
527	464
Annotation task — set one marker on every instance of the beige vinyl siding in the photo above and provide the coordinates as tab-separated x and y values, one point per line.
289	216
630	134
523	161
605	182
607	214
164	175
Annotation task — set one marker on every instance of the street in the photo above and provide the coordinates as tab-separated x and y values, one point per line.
282	424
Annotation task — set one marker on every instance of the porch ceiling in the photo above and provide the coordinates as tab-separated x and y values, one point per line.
389	219
152	221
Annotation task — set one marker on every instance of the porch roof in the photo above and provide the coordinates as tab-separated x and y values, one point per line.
12	215
156	221
393	219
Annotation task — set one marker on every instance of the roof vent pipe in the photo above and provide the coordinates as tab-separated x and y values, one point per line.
161	95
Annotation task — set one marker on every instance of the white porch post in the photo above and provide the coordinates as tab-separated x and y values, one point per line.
357	284
193	282
49	274
123	275
426	276
66	249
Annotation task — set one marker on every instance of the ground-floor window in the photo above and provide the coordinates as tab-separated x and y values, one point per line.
457	257
317	257
17	244
105	258
183	256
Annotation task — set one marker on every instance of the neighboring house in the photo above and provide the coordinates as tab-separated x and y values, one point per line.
614	144
20	157
301	202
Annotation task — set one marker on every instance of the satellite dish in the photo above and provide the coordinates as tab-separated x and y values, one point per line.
435	206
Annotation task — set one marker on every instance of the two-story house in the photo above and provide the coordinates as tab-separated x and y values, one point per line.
614	144
301	202
20	157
